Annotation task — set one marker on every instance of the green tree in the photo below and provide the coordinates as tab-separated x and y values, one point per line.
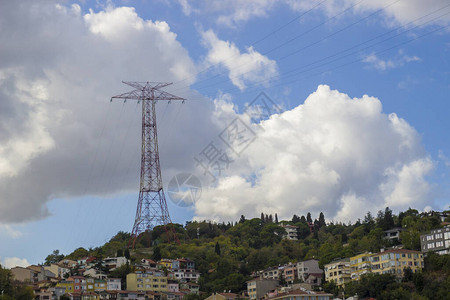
126	253
6	281
54	258
217	248
308	217
78	253
321	220
156	253
242	219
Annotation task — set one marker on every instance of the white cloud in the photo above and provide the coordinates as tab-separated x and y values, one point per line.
243	67
187	9
444	158
59	134
11	262
233	13
333	154
382	65
10	231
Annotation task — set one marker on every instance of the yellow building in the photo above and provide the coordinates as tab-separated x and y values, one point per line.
396	260
100	285
147	281
67	284
166	263
360	264
338	271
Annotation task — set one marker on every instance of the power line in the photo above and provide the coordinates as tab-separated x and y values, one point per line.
348	49
349	63
256	42
303	48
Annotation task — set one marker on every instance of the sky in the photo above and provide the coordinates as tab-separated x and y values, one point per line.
292	106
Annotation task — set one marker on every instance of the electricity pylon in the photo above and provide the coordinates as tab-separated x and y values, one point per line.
152	206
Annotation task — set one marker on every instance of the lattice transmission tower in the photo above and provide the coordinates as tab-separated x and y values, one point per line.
152	206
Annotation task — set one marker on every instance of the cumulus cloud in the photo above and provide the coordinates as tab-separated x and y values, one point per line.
242	67
334	154
11	262
60	136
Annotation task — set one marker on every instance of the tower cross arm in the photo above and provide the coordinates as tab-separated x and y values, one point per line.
147	91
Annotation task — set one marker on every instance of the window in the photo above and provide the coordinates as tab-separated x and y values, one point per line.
438	236
440	244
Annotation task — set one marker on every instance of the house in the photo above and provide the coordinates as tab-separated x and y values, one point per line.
167	263
186	263
67	263
392	234
79	283
113	284
42	273
193	288
100	285
271	273
67	285
86	262
92	272
174	295
24	274
290	273
223	296
360	264
302	295
338	271
394	261
258	287
130	295
147	281
115	262
173	286
291	232
149	263
437	240
58	270
308	271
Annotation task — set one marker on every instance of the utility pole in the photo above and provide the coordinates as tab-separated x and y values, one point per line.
152	206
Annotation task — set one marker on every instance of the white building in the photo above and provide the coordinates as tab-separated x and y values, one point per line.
115	262
291	232
113	284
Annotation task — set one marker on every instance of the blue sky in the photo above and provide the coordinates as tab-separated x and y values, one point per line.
362	90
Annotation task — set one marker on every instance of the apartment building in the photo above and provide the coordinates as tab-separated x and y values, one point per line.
147	281
360	264
258	287
394	261
291	232
437	240
338	271
309	272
